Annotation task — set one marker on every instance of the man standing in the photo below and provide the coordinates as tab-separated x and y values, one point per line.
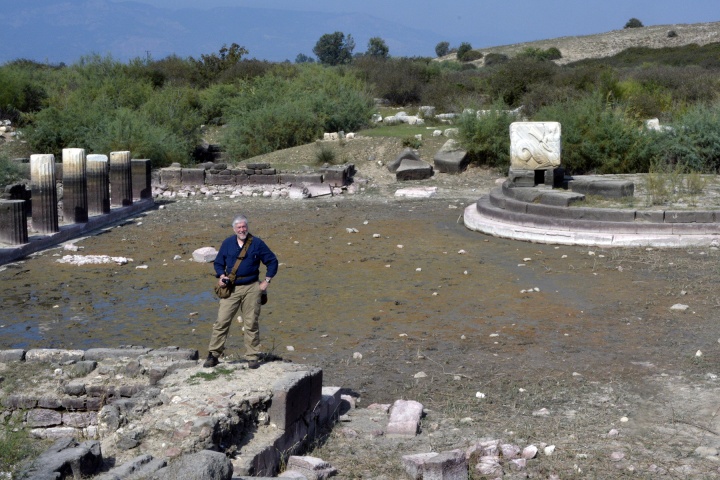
246	293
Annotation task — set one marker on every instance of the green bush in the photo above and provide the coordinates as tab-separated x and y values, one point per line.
462	50
694	140
511	80
495	59
487	137
633	23
672	34
472	55
273	112
411	142
598	137
325	154
9	171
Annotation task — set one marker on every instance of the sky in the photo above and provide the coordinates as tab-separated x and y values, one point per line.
519	20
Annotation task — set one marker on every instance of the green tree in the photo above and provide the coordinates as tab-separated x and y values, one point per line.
334	49
377	48
633	23
462	50
209	67
442	49
302	58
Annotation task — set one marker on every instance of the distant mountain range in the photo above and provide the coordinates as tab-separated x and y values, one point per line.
57	31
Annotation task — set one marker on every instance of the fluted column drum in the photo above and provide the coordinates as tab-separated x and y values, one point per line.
141	178
75	199
98	180
13	222
44	193
120	179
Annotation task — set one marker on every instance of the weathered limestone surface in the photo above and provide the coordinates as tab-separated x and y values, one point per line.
451	158
404	418
13	222
534	145
152	401
141	178
98	184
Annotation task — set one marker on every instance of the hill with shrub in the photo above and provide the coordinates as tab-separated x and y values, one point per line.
164	109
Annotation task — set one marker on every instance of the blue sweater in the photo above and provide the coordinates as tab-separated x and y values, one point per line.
249	269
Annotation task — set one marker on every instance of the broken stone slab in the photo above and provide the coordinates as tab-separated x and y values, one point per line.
416	192
329	405
14	355
142	466
415	464
404	418
99	354
203	465
450	465
451	158
315	190
66	458
413	170
204	255
602	187
43	417
407	154
175	353
312	468
53	355
291	474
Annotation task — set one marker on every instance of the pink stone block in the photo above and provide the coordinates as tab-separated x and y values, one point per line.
404	418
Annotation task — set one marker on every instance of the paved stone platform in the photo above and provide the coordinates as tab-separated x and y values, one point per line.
530	220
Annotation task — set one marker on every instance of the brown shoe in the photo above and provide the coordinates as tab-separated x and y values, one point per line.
211	361
253	364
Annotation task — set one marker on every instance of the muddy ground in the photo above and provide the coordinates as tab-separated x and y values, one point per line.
586	333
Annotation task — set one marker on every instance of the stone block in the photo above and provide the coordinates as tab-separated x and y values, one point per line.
294	395
129	390
74	389
98	354
561	198
13	355
193	176
43	417
79	419
172	177
337	176
49	401
300	178
404	418
413	170
257	166
53	355
24	402
313	468
262	179
521	177
535	145
602	187
450	465
54	433
650	216
175	353
73	403
217	179
329	405
415	464
416	192
689	216
94	404
451	158
142	466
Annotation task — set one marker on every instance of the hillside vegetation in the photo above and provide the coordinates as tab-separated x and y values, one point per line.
601	89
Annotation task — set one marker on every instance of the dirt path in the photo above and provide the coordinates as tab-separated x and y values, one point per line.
587	334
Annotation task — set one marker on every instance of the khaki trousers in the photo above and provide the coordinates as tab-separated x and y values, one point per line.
245	298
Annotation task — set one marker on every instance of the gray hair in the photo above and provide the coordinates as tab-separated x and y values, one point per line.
240	219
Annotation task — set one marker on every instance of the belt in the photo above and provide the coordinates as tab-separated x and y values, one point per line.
246	280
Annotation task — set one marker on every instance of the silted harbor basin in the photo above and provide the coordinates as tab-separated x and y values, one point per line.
411	277
412	290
